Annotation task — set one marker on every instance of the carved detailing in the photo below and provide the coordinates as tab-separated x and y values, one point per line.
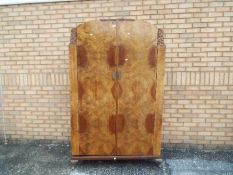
152	56
160	38
153	91
82	122
73	36
149	123
116	90
81	56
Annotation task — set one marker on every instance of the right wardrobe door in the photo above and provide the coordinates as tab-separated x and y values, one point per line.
136	106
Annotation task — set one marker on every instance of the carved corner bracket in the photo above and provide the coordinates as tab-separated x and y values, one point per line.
160	37
73	36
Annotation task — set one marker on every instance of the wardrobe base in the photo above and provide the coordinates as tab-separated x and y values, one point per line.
77	158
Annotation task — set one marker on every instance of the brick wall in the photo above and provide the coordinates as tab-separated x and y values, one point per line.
199	66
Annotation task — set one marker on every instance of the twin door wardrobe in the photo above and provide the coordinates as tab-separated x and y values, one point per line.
116	87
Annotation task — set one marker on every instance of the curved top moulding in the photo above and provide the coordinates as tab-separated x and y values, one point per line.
101	30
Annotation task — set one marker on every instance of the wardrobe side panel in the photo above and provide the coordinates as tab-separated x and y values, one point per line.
74	93
160	92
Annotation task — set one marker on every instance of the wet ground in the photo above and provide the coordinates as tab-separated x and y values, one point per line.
53	159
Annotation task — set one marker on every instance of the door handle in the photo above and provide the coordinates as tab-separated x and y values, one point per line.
116	75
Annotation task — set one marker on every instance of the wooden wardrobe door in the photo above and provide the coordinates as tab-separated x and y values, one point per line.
136	104
96	103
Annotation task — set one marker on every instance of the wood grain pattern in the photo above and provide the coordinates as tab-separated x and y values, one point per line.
113	58
116	157
152	56
153	90
150	123
82	123
116	116
80	91
120	123
97	102
112	124
74	93
138	76
116	90
122	55
81	56
159	92
116	123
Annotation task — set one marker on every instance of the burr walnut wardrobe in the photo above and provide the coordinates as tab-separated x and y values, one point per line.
116	78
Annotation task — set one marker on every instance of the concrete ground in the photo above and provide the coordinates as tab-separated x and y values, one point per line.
53	159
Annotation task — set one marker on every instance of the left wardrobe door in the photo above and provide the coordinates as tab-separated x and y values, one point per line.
93	111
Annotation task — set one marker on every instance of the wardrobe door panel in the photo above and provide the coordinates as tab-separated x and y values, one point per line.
96	103
137	53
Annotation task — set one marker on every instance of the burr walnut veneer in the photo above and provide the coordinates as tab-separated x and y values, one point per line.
116	75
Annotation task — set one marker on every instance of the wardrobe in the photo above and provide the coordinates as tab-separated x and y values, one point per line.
116	89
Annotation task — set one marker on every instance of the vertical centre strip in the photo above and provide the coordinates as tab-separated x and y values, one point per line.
115	24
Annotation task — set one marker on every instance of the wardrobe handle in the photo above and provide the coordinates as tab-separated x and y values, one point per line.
116	75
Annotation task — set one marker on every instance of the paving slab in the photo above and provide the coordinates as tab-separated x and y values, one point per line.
54	159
